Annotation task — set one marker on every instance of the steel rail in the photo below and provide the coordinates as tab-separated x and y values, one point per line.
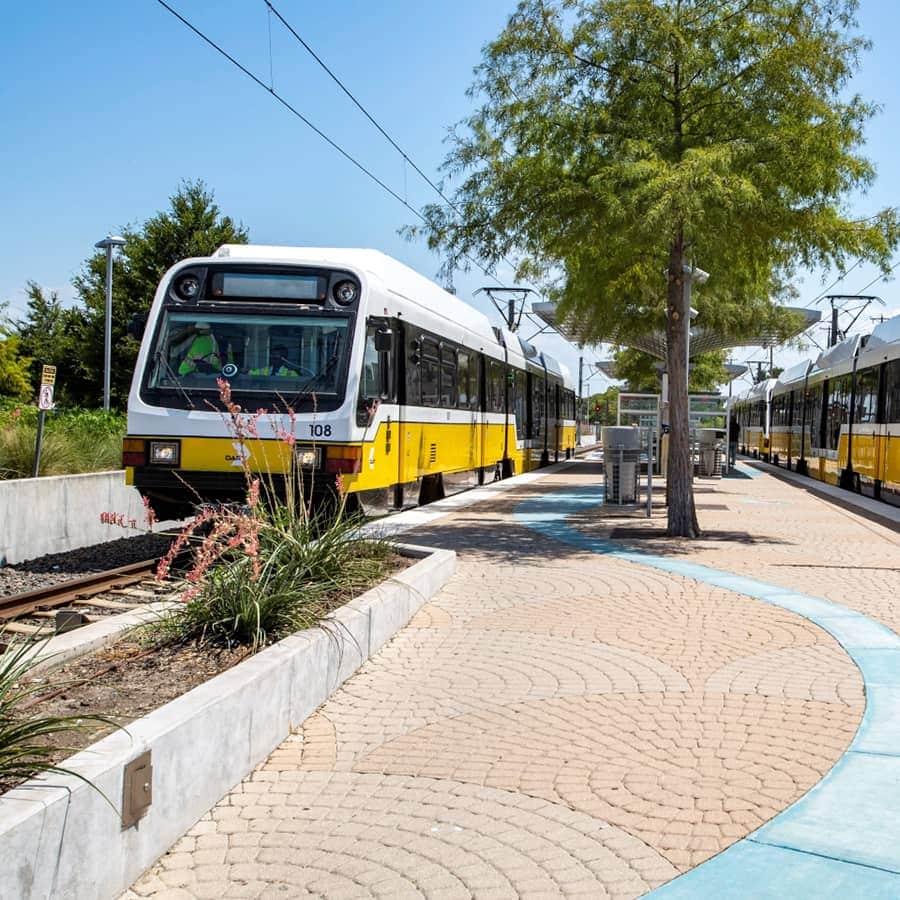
77	589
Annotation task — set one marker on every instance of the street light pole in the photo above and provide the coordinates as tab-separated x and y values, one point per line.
109	243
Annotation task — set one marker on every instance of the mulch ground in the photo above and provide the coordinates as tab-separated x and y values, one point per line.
132	678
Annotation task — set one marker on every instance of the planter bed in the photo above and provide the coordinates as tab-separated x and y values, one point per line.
59	838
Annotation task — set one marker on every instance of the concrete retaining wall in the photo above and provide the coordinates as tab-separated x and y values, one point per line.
62	512
59	838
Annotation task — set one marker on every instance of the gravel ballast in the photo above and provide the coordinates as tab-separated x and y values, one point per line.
58	567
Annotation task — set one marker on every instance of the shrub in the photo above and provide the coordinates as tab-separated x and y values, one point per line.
264	571
274	565
74	441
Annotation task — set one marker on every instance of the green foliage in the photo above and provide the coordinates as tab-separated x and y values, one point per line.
614	130
269	570
74	441
621	140
47	337
608	401
73	339
24	750
14	382
14	363
640	371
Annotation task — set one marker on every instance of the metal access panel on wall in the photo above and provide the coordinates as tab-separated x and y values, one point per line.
137	789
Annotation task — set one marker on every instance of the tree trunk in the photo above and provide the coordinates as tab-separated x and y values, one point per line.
682	515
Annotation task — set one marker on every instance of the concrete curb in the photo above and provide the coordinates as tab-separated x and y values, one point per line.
59	838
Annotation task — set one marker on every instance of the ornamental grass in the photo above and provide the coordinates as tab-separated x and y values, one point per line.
276	563
26	748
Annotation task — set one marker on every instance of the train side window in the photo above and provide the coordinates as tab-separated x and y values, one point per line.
496	385
448	377
370	380
463	379
413	370
376	383
892	391
538	403
431	369
814	416
476	382
866	397
520	402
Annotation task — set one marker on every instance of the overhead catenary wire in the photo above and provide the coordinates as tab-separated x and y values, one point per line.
837	281
358	104
876	280
294	111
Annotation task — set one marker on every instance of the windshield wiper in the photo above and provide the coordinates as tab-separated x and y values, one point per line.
159	357
305	388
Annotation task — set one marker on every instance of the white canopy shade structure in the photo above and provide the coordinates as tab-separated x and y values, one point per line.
703	340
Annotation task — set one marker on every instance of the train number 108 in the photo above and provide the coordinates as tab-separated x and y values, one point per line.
318	431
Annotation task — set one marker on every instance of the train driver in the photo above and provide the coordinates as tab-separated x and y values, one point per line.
277	359
203	353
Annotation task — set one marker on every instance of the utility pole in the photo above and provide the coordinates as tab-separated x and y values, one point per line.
109	243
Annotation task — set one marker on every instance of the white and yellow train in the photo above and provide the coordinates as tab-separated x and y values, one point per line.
370	371
836	419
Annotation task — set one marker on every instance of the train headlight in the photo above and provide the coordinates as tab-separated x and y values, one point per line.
165	453
308	457
345	292
188	287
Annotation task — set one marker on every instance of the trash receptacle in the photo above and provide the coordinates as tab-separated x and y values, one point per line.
712	452
621	458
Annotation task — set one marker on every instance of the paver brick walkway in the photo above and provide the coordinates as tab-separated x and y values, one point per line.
556	723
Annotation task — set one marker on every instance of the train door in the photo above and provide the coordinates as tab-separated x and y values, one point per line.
467	399
531	421
540	418
377	412
480	407
409	394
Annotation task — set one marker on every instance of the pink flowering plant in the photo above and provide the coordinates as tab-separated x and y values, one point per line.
274	564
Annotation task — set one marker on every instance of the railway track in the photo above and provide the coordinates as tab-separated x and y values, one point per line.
53	604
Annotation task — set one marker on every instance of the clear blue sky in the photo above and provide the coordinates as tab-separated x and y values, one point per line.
107	107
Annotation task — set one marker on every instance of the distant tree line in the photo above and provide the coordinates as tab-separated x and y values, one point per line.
72	338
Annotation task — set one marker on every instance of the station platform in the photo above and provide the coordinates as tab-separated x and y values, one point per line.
590	708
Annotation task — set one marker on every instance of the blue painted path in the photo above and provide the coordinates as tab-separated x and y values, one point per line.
842	838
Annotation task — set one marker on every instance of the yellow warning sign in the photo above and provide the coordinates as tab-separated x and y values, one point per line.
48	375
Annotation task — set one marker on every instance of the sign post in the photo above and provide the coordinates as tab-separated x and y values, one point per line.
45	402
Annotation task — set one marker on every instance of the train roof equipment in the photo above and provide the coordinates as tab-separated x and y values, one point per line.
761	390
837	360
883	344
793	374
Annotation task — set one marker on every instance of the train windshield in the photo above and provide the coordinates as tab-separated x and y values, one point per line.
285	356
